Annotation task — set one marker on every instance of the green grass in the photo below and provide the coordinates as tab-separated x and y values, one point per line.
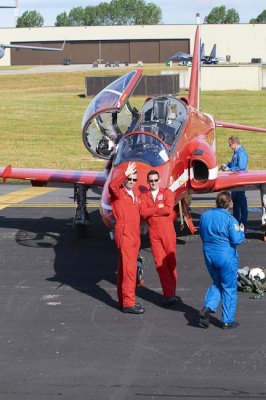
41	114
243	107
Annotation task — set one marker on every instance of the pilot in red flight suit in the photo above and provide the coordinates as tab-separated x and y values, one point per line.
125	204
157	207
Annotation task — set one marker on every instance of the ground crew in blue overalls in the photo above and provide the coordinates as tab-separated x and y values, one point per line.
239	162
220	234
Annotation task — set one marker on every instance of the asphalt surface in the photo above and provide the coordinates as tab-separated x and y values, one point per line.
62	335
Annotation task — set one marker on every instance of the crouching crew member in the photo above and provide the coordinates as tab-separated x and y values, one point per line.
157	207
220	234
125	204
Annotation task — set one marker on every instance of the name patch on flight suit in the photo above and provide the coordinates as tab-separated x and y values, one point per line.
160	197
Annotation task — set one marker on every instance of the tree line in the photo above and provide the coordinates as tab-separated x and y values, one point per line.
126	12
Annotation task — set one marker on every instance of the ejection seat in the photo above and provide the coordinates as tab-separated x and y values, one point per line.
161	113
161	110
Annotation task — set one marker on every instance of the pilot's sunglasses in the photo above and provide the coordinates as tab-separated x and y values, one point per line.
153	180
131	179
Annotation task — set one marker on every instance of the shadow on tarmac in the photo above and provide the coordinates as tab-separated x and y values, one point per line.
79	263
83	264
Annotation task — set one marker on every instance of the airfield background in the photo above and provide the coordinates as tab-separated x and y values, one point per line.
148	43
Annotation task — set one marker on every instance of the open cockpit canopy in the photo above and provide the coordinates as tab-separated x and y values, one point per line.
103	123
109	117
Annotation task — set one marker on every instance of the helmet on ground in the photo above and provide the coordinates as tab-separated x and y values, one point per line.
257	274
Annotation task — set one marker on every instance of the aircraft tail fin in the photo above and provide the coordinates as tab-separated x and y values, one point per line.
202	51
213	52
194	86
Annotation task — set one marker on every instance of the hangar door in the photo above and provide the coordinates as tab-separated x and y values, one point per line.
86	52
172	46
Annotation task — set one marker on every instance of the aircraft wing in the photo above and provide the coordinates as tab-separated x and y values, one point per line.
180	56
18	46
231	125
44	177
235	179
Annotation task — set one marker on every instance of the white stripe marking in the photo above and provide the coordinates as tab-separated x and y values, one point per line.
106	206
181	180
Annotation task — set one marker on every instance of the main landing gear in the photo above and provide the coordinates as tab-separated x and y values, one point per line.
263	205
81	218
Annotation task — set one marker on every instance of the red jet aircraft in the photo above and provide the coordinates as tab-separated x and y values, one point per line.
168	134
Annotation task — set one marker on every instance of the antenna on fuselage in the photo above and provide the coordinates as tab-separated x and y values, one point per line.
198	19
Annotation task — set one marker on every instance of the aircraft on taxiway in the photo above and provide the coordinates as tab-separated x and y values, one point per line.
168	134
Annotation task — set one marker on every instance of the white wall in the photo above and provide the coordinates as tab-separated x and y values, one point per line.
244	77
225	77
264	79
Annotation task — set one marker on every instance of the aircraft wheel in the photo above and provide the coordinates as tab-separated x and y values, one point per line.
81	231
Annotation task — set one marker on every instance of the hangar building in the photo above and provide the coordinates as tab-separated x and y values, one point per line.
130	44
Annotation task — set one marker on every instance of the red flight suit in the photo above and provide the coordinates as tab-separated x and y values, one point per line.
127	239
162	236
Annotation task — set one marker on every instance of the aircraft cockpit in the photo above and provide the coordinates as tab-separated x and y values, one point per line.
164	117
109	118
141	147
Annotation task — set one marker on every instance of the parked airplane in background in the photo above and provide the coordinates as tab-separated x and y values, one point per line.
17	46
211	59
168	134
186	59
182	58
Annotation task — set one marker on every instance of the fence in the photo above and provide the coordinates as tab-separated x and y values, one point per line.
150	85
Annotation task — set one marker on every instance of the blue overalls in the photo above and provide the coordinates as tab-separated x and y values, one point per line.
239	162
220	233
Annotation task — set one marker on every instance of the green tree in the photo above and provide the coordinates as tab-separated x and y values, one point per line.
149	15
134	12
117	12
62	20
30	19
232	17
219	15
76	16
261	18
99	15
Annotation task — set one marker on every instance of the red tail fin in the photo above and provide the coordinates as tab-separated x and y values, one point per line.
194	86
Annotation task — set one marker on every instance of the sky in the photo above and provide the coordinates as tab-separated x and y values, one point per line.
173	11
